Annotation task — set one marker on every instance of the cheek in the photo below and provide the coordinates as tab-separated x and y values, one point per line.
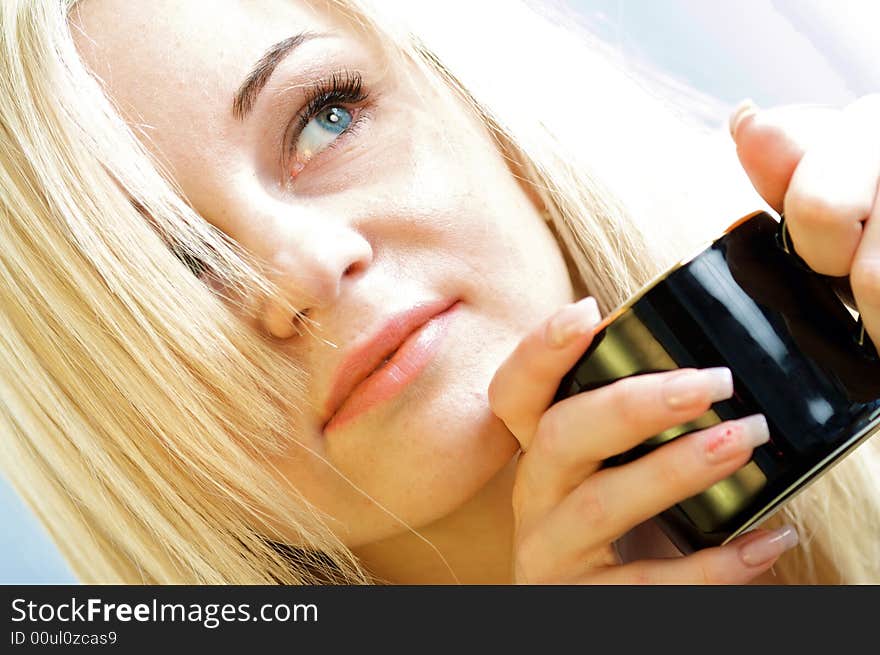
519	261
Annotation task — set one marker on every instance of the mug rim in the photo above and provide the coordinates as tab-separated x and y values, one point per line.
659	277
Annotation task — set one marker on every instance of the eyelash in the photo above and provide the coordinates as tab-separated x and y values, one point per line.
342	88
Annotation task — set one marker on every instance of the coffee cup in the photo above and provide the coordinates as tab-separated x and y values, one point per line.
796	348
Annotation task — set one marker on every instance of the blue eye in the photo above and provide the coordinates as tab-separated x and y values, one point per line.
319	133
335	119
324	118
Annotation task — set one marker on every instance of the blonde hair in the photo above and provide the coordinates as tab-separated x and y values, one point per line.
138	408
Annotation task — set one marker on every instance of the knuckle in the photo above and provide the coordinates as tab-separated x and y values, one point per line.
806	209
821	209
520	493
817	218
704	573
589	504
506	383
712	567
503	403
605	557
551	435
669	470
626	398
527	557
641	575
865	278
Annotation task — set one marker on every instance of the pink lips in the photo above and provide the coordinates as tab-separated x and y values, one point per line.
413	338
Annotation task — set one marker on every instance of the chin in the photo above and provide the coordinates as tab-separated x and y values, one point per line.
464	446
439	451
445	480
461	475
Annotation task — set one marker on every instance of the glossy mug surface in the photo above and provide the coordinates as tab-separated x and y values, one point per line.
797	353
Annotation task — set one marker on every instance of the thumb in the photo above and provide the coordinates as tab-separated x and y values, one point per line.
771	142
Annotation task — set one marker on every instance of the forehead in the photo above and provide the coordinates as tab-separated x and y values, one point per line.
173	67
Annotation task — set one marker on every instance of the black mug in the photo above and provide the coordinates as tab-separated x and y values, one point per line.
797	352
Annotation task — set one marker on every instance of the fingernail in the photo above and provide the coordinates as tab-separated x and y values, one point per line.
571	322
731	438
746	108
692	387
769	546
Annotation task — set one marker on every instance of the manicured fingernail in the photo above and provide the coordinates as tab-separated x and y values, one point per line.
571	322
692	387
769	546
746	108
731	438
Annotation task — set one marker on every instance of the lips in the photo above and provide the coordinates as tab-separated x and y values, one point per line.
358	375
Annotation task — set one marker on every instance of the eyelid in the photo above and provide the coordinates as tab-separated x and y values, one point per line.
351	131
341	81
345	84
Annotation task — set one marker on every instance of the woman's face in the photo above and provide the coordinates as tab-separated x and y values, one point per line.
366	208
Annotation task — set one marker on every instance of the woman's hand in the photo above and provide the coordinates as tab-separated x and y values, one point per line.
821	167
567	511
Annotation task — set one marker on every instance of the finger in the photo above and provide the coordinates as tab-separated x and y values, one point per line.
865	275
771	142
576	434
614	500
738	562
833	190
525	383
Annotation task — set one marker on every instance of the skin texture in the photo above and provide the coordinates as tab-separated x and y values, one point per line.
418	204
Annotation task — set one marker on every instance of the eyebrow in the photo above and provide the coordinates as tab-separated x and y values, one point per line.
244	99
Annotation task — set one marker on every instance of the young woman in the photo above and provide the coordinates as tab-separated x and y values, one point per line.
218	217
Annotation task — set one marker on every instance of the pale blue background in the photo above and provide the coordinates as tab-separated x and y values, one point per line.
774	51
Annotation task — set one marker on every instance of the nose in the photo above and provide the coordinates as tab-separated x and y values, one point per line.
310	269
